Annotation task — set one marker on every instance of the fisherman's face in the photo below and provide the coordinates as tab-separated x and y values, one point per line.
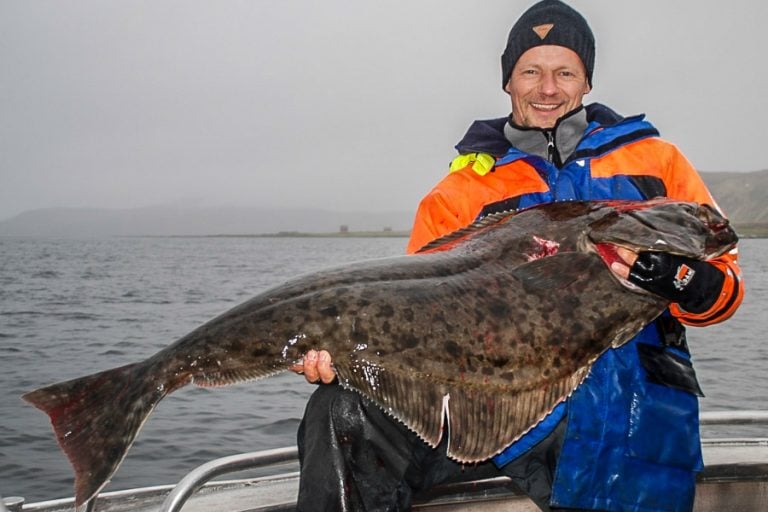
546	83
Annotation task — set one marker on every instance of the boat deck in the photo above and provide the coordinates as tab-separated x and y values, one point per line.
735	478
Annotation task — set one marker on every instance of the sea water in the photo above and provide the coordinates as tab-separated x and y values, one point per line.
72	307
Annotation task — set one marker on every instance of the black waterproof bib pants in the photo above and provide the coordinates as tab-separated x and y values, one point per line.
354	457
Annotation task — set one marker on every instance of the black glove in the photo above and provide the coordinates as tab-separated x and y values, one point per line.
693	284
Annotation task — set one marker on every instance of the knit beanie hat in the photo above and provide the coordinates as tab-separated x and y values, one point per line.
549	22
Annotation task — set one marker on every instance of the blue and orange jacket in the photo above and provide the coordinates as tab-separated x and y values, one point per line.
618	158
640	438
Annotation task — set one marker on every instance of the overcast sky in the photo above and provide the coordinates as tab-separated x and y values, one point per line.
335	104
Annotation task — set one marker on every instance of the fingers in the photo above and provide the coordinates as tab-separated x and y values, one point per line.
325	368
629	257
310	367
316	367
622	268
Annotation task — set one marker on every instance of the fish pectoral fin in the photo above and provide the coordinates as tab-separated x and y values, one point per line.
554	272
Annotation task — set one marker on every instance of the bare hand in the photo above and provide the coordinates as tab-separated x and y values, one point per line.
316	367
622	269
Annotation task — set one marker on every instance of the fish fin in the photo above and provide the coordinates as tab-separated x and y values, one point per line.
550	273
482	420
235	375
416	402
449	240
96	419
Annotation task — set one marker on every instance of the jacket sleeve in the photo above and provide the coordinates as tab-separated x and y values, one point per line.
684	183
454	203
435	217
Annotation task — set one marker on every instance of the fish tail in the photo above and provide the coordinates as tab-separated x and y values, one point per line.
96	418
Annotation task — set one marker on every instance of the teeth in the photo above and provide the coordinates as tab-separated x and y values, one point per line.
541	106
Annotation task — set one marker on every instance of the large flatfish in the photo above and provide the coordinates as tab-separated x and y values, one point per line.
487	329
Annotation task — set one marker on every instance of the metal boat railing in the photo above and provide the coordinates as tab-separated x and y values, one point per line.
198	477
734	418
233	463
176	496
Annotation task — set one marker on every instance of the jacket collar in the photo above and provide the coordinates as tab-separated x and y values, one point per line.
555	144
487	136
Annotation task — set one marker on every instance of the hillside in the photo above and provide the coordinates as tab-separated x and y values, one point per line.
743	197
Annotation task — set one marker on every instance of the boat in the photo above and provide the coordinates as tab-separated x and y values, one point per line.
735	478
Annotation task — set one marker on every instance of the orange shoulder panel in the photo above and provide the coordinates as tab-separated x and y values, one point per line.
658	158
639	158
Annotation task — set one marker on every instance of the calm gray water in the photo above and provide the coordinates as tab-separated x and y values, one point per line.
72	307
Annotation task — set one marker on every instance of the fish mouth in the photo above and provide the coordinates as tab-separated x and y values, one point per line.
608	252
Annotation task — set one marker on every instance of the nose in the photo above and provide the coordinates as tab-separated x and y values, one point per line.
548	84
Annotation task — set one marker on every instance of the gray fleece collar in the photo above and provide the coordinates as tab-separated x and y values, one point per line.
567	133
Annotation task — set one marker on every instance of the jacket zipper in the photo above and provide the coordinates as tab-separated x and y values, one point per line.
550	146
552	155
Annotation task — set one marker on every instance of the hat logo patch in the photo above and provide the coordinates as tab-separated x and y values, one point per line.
543	30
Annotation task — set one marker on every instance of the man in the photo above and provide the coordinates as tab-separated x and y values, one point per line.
627	439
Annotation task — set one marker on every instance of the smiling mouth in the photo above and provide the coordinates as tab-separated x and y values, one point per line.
546	107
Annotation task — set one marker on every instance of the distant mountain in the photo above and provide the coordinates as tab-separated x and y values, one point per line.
160	221
743	197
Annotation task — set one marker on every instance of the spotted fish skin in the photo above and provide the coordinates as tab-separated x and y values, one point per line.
490	327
